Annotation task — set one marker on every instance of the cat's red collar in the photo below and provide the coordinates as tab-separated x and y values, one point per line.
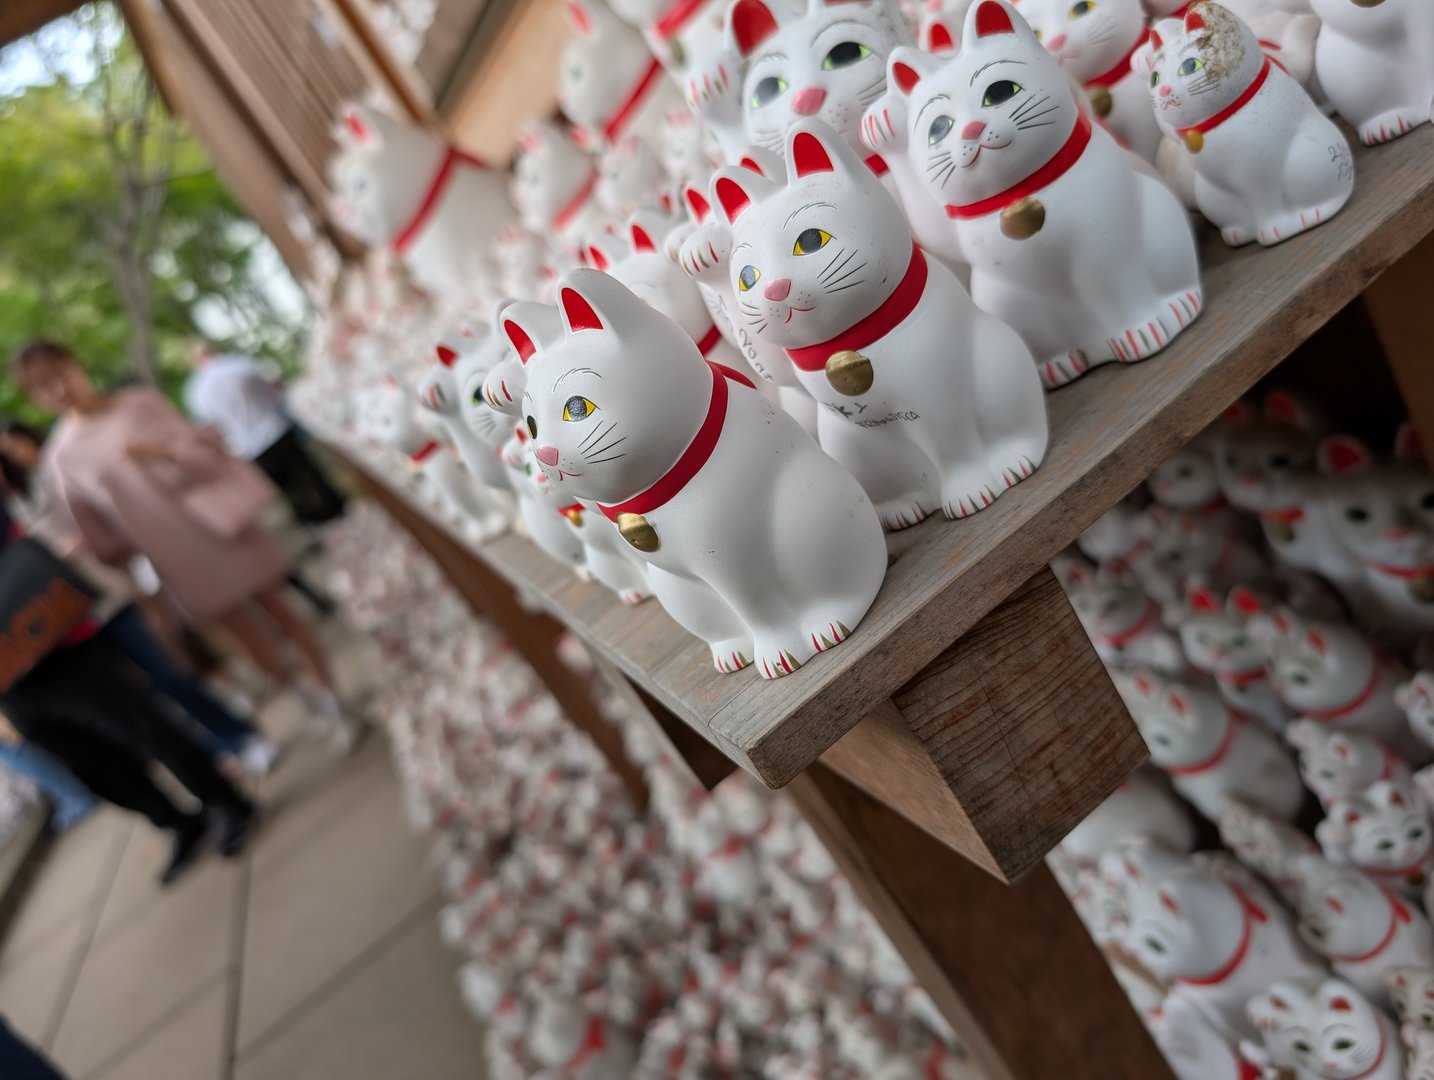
620	119
1235	721
886	318
1398	913
424	452
1251	913
1231	109
709	340
1122	66
1288	516
594	1043
698	451
1047	174
1119	639
1404	573
1418	868
1242	678
877	164
452	158
670	24
1340	712
573	206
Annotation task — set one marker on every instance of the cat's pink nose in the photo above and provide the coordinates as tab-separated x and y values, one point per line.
808	101
1055	44
1166	90
1396	532
548	455
779	289
973	130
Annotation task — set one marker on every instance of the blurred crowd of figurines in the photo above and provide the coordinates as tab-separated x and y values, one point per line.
709	935
835	247
1265	605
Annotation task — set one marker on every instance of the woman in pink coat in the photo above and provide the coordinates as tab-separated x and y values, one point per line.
139	479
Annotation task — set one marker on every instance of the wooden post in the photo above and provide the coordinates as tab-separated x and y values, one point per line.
1010	966
1397	303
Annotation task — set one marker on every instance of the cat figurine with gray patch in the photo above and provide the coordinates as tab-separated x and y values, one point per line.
1268	164
1088	258
1323	1029
928	401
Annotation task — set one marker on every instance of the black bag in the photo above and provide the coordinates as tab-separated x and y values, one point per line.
41	601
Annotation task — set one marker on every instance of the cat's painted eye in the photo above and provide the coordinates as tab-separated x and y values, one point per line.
844	55
578	408
1154	946
1155	78
1343	1044
532	427
1082	7
748	277
1356	514
1281	461
1385	845
768	90
811	240
1427	1020
1000	92
939	129
1190	65
1301	1046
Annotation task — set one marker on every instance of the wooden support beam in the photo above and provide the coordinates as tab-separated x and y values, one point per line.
380	66
1395	302
21	17
1011	967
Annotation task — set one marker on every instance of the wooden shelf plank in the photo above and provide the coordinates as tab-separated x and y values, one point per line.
1108	430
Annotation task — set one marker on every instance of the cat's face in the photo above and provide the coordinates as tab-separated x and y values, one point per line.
1262	466
682	148
1088	37
1107	605
629	178
1383	513
1200	67
1384	830
1328	1031
1333	904
363	181
614	393
548	172
990	115
1181	724
395	424
814	256
1189	545
828	63
1172	924
1186	480
1216	638
1325	665
1336	762
1112	535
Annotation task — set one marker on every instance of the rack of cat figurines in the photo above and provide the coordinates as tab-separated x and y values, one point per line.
794	276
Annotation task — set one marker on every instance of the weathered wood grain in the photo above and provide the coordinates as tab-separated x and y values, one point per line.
1011	967
1398	304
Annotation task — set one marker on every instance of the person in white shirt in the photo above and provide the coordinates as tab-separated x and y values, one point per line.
229	393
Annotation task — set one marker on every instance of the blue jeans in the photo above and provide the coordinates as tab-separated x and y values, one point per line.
129	633
70	798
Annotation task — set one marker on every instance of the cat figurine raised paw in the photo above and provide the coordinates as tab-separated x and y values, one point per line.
1268	164
1322	1029
1266	845
1416	698
928	401
784	564
1340	764
1089	259
1384	831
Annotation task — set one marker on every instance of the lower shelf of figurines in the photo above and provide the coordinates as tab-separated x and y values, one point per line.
707	935
1265	605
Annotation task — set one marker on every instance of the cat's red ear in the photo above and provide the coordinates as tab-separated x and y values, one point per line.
1334	905
697	204
1155	42
1244	602
1340	1004
1170	904
446	356
1238	413
808	155
1340	454
578	312
992	18
522	343
1315	640
1201	599
1178	702
751	23
1193	21
1407	446
905	76
641	240
358	126
731	197
938	37
596	259
580	17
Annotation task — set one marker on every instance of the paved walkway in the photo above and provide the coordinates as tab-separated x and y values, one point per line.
313	957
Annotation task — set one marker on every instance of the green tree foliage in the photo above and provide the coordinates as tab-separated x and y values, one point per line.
116	233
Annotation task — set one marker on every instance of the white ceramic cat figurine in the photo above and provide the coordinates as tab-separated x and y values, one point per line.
1375	62
1385	832
439	208
541	512
527	267
630	178
1421	1055
1322	1029
1266	845
1123	623
705	254
1208	750
1416	698
1216	937
686	427
1361	927
1411	988
1205	550
562	1037
683	148
1340	764
553	184
676	31
1383	514
1115	537
1186	481
1194	1046
1087	258
1268	164
1329	672
1095	41
609	84
1216	641
928	401
1140	807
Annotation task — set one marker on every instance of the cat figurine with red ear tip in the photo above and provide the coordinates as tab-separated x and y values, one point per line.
1416	698
1383	514
1094	43
1320	1028
1207	928
1384	831
621	370
1089	259
1268	164
927	400
1359	926
1123	623
1375	62
1194	1046
1266	845
553	186
1208	750
1215	637
1341	764
609	84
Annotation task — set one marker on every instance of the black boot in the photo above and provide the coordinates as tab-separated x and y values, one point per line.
237	827
190	840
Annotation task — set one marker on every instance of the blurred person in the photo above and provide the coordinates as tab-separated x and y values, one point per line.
70	801
36	504
139	479
69	692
